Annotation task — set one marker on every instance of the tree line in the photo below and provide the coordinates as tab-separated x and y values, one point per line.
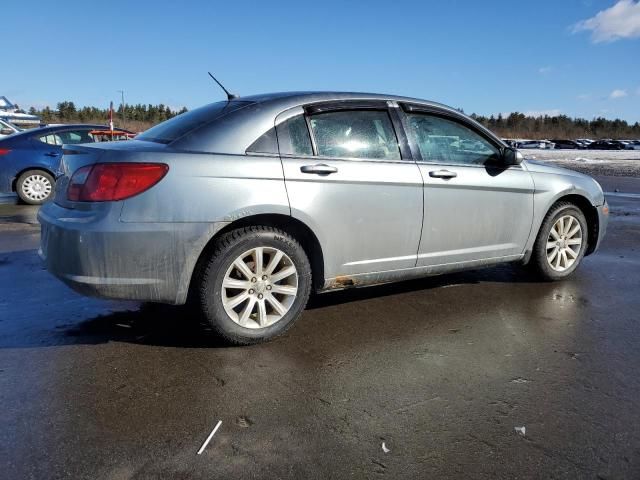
516	125
139	115
519	125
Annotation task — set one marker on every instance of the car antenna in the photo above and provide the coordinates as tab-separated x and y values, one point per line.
230	96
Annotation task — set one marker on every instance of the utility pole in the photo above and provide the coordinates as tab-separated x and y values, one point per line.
123	117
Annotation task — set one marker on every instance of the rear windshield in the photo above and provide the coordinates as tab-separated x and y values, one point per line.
176	127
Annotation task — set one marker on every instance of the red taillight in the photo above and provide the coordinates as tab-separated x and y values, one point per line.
104	182
4	151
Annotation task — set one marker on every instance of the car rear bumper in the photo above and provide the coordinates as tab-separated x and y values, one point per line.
96	254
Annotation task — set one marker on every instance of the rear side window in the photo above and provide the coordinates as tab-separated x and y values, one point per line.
267	143
293	137
176	127
355	134
76	136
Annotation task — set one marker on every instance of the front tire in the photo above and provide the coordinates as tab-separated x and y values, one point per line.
561	242
34	187
254	285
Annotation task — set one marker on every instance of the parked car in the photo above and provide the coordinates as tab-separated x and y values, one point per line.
585	141
632	145
246	206
29	159
606	145
542	144
531	144
567	144
7	128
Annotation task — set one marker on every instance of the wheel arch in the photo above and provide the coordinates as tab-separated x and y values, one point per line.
294	227
590	213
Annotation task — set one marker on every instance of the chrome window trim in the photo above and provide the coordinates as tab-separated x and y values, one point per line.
346	159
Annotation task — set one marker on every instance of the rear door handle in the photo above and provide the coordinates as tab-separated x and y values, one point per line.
442	174
52	154
318	169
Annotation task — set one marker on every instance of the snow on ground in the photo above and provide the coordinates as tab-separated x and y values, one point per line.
617	163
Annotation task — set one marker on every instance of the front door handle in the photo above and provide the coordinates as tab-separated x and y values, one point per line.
318	169
446	174
52	154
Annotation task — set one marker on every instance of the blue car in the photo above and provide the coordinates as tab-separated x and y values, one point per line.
29	160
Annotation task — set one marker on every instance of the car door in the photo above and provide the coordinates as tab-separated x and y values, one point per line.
46	148
352	185
475	207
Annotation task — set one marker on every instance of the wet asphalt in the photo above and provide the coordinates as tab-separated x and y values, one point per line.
442	370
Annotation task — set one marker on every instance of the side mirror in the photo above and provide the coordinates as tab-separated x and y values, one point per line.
512	156
6	131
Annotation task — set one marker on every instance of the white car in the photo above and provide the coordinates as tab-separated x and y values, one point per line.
7	129
632	145
543	144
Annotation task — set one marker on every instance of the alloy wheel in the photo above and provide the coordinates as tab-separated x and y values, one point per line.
564	243
259	287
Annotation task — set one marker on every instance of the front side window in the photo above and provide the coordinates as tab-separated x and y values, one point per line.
445	141
355	134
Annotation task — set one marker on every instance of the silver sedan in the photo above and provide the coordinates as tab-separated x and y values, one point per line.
246	206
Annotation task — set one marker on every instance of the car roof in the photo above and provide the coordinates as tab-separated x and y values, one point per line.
305	97
235	131
56	128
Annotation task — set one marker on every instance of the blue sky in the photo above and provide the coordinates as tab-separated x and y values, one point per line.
485	57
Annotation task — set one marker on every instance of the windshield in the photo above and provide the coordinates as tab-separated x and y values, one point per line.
176	127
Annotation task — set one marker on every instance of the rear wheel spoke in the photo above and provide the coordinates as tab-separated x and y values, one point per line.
262	313
243	268
258	256
247	311
235	283
284	289
277	306
282	274
273	263
237	300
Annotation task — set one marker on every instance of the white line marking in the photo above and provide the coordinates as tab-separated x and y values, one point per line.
618	194
213	432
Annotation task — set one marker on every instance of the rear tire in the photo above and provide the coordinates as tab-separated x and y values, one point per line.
254	285
34	187
561	242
